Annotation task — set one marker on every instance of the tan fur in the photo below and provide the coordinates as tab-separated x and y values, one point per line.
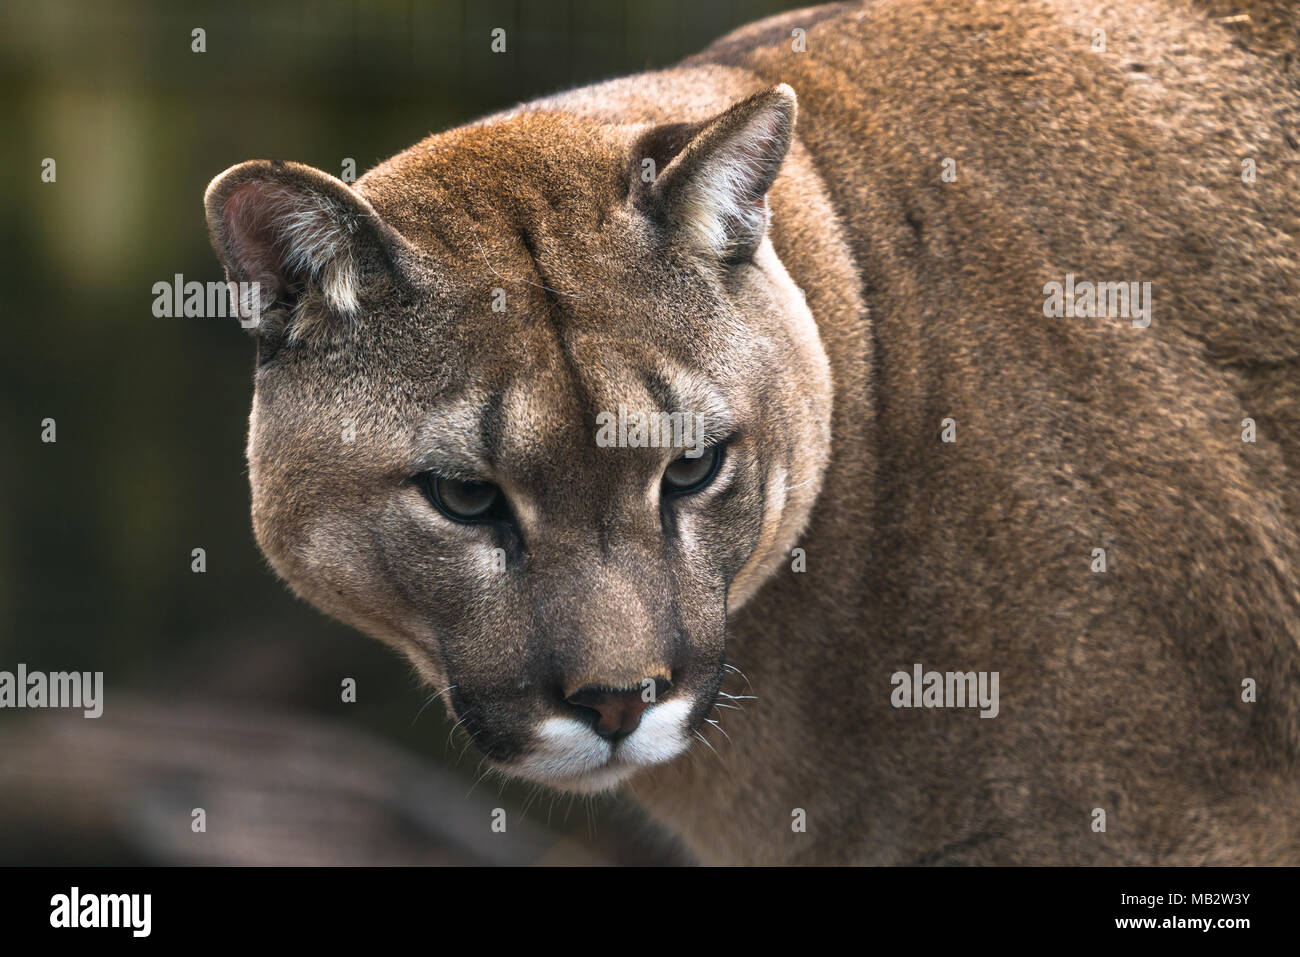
880	301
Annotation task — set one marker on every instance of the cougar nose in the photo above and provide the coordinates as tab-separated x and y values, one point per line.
615	711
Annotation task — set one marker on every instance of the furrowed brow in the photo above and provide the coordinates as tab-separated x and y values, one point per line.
680	391
458	439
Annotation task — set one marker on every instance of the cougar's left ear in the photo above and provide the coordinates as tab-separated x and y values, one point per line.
713	192
297	232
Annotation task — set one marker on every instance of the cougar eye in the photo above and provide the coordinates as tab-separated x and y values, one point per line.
688	475
464	501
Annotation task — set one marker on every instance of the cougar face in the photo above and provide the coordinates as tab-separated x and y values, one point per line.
534	418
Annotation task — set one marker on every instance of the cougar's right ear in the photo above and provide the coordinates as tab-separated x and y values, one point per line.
308	242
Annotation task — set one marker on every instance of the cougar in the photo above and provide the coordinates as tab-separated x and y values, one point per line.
728	434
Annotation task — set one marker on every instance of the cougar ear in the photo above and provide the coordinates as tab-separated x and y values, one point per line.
297	233
714	189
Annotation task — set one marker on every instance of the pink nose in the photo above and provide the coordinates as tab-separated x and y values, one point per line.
616	711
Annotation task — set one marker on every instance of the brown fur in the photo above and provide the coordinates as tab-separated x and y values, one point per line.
1119	691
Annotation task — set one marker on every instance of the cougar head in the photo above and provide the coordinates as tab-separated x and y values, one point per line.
534	417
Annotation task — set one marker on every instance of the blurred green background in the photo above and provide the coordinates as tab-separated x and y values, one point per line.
222	691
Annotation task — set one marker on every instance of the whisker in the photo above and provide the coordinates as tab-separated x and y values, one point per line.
533	793
432	699
731	667
719	727
706	743
486	774
468	741
454	727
